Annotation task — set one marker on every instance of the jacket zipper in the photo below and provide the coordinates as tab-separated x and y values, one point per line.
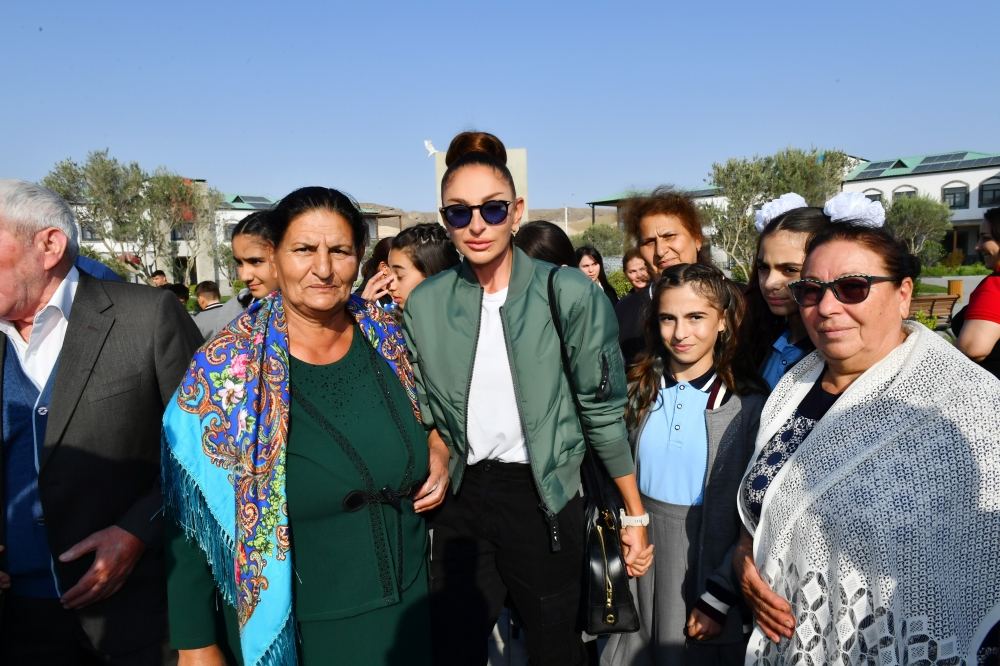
468	385
550	516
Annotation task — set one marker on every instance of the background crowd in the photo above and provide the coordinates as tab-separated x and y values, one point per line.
317	472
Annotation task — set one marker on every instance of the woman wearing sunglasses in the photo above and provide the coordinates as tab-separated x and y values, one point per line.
875	477
488	369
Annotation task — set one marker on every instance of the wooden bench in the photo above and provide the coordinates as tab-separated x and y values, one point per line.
938	306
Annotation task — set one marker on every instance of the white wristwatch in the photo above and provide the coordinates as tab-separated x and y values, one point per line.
633	521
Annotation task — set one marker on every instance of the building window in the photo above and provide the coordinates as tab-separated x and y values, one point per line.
989	194
874	196
955	197
182	233
903	194
88	233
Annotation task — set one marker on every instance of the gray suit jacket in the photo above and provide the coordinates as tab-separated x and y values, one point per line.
211	321
126	349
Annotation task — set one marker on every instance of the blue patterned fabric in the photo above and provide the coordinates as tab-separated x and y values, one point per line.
225	433
782	445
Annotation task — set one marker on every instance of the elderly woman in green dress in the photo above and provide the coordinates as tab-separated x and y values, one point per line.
295	467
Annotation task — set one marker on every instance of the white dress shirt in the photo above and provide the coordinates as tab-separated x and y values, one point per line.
38	354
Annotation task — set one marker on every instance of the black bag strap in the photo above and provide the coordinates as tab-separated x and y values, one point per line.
596	480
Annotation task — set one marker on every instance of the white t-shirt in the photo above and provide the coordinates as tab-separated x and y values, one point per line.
494	419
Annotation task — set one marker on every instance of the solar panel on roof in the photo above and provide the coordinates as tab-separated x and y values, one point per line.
994	161
869	173
947	157
879	165
924	168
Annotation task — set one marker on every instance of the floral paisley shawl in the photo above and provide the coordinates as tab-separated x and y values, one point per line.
224	437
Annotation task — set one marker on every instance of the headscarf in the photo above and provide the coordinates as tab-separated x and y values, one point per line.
224	437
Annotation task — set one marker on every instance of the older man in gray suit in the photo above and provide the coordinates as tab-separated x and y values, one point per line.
87	368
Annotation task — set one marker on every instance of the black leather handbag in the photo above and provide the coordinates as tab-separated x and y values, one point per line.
608	604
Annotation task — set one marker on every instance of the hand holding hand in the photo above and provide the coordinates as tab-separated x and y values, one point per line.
432	493
636	550
772	612
115	554
701	627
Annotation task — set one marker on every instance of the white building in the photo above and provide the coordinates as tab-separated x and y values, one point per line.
968	182
232	209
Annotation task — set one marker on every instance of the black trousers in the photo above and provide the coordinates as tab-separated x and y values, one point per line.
491	542
40	632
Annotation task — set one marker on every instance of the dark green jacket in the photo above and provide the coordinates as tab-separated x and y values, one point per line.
442	328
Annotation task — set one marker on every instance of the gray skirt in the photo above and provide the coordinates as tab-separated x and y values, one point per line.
662	596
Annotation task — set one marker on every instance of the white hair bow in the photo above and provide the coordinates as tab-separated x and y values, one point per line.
776	207
855	207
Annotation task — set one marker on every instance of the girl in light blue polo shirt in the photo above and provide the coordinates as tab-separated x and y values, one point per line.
694	405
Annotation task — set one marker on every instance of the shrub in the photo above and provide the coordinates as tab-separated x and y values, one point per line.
609	240
953	259
620	283
925	319
941	270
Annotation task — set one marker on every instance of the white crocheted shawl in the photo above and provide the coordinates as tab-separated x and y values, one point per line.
883	528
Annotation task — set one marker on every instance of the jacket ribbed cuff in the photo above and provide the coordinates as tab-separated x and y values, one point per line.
716	601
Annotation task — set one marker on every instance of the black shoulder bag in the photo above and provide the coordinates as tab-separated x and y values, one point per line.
608	604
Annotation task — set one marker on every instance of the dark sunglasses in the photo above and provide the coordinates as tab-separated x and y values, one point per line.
849	289
460	215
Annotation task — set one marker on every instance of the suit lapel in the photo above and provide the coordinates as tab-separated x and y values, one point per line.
89	324
3	514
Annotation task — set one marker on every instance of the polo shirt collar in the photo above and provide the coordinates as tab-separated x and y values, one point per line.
702	383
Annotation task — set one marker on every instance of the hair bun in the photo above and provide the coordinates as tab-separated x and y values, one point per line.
476	142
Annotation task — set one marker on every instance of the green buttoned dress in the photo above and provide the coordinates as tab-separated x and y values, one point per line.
360	585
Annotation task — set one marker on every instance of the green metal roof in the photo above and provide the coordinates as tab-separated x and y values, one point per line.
918	164
245	202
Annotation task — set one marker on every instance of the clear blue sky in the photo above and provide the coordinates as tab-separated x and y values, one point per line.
260	98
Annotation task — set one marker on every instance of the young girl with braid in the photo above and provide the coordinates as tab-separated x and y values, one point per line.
416	254
692	417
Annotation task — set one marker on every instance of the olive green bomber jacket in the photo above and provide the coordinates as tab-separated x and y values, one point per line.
442	329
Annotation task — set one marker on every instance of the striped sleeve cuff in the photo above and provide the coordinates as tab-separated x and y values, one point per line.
716	601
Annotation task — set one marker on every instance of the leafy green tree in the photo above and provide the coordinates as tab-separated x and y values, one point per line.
107	197
179	211
744	184
609	240
139	218
748	184
921	223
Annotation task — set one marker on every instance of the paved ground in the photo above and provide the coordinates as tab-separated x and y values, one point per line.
968	284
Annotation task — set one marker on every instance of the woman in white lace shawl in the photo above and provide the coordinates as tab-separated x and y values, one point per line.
872	503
